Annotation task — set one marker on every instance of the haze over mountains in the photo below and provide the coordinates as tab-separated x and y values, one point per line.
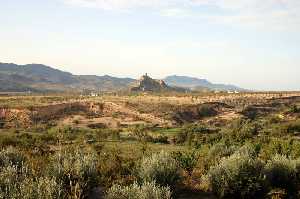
41	78
198	84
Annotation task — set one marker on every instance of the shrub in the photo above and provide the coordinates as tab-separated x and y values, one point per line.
16	181
161	139
286	147
290	127
11	156
9	141
9	178
115	135
139	131
241	129
49	138
161	168
238	176
42	187
75	170
293	127
181	137
217	152
280	172
200	129
187	161
190	132
145	191
277	194
116	168
294	109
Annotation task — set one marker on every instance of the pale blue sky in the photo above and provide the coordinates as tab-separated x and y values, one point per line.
254	44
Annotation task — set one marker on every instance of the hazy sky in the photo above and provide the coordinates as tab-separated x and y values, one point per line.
251	43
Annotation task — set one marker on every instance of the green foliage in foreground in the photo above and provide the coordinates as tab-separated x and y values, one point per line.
238	176
241	159
244	175
18	181
145	191
71	174
160	168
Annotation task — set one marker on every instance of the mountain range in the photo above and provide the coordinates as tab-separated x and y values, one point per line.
199	84
42	78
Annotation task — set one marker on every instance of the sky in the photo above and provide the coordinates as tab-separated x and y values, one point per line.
254	44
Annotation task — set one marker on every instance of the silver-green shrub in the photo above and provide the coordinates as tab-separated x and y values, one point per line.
76	170
12	172
16	182
217	152
237	176
9	182
40	187
148	190
11	156
281	172
161	168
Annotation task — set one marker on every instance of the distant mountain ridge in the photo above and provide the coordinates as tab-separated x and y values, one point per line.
198	84
38	77
42	78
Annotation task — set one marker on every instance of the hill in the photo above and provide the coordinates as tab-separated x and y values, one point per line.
198	84
42	78
38	77
146	83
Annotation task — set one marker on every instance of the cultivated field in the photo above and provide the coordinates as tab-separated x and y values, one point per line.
150	146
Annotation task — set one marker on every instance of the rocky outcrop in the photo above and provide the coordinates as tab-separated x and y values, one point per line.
147	84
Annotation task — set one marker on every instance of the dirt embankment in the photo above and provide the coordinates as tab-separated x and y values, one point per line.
270	106
192	113
112	108
26	117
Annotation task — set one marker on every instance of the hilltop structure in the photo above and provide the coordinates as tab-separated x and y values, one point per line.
146	83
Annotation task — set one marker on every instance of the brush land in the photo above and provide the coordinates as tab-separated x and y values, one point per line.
150	145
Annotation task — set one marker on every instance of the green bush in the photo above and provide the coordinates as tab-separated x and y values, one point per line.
281	172
140	132
9	140
191	133
148	190
75	170
41	187
17	180
181	137
187	161
49	138
238	176
115	168
293	127
294	109
161	168
161	139
217	152
10	178
240	130
11	156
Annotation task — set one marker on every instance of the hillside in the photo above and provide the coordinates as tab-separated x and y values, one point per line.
42	78
198	84
37	77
